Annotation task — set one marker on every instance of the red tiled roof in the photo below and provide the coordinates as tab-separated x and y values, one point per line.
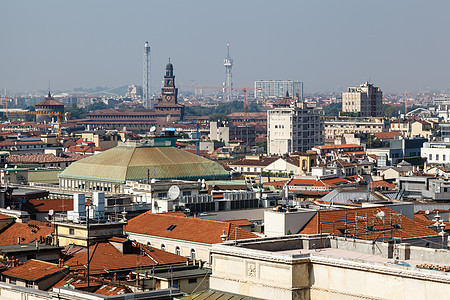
333	222
239	222
6	217
44	205
106	258
188	229
382	183
276	184
13	143
84	149
34	270
387	135
28	232
343	146
264	161
42	158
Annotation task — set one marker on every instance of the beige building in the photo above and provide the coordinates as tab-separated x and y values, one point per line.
340	127
292	126
363	101
325	267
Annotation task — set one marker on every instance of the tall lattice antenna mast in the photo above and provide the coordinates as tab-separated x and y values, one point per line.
147	78
228	86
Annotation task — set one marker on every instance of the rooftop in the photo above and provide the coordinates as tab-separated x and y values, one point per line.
107	258
124	163
34	270
186	228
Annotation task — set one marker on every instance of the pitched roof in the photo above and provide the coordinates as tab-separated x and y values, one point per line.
34	270
387	135
263	161
6	217
239	222
42	158
186	228
44	205
28	232
343	146
382	183
107	258
132	163
337	220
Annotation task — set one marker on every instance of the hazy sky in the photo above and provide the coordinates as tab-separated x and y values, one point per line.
329	45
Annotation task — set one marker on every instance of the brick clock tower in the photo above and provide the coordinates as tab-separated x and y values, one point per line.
168	111
169	92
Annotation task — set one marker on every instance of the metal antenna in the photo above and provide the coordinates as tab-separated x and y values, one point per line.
147	77
228	84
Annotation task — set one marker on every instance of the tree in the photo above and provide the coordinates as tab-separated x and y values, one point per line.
332	109
390	111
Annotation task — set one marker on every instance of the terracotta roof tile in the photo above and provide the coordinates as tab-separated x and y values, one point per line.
343	146
42	158
106	258
333	222
44	205
387	135
28	232
189	229
34	270
239	222
263	161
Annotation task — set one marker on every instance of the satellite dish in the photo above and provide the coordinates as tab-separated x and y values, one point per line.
174	192
51	212
153	129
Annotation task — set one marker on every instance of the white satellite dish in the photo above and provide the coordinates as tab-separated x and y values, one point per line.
153	129
174	192
51	212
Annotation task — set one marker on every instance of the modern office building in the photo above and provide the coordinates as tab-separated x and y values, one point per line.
293	126
278	88
363	101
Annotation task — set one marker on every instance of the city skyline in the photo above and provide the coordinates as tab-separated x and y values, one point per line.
327	45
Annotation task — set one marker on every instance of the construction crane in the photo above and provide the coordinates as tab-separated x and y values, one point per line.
406	103
49	113
6	99
244	90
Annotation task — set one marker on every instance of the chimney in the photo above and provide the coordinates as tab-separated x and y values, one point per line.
146	273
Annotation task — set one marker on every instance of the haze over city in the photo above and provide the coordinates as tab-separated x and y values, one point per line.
329	45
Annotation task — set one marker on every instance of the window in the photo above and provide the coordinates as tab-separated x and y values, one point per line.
149	243
163	247
30	284
192	280
193	253
71	231
12	281
437	156
177	251
443	157
431	156
171	227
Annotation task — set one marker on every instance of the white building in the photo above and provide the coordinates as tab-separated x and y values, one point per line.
436	152
292	126
365	100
